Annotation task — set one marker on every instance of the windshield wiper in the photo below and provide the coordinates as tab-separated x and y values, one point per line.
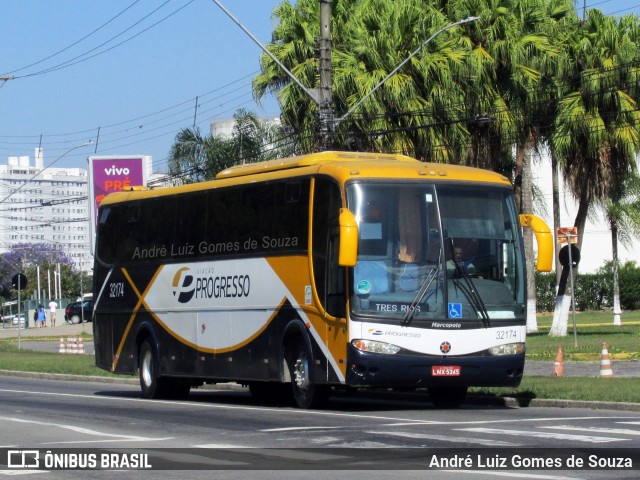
424	287
471	293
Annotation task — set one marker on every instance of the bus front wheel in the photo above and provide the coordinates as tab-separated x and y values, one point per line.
151	384
306	393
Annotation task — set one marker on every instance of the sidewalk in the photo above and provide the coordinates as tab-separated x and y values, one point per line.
62	329
620	368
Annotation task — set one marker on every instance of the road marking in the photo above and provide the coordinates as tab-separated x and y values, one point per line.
613	431
15	473
445	438
556	436
293	429
493	473
86	431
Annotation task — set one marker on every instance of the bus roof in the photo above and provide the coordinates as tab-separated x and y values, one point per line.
313	159
340	165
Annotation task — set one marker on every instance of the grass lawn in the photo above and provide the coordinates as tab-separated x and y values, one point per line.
592	330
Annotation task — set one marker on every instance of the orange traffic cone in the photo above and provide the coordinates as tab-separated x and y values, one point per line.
558	365
71	345
80	346
605	363
62	348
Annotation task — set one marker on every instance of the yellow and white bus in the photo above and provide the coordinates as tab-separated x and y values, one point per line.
307	274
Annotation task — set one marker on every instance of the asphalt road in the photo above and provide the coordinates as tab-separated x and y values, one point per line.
227	433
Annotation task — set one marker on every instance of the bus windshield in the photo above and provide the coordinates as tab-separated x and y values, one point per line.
432	253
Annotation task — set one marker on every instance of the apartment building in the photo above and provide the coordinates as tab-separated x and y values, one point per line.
39	205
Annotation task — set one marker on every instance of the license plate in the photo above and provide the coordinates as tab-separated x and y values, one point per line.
445	371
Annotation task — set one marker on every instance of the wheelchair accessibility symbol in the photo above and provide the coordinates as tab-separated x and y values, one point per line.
455	310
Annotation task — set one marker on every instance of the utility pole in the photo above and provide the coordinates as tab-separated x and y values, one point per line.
325	107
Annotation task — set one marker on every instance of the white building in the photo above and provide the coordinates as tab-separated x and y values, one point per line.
224	128
45	206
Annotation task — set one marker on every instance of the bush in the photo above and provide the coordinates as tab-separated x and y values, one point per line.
629	275
593	291
545	291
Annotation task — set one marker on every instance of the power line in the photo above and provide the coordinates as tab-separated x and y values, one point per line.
76	42
80	59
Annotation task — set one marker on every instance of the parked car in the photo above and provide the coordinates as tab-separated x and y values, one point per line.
77	311
22	319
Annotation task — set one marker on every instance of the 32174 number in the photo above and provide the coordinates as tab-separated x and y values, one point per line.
116	290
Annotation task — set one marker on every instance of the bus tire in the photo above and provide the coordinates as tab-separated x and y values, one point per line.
447	397
151	384
307	394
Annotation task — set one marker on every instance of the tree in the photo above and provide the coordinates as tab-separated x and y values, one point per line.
516	50
622	209
417	111
25	258
196	158
596	130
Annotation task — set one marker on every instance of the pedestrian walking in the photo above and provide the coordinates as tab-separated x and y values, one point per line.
42	317
52	312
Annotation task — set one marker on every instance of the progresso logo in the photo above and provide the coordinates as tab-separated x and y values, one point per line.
183	285
186	286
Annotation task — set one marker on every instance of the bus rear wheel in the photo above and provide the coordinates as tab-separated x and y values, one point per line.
447	397
306	393
151	384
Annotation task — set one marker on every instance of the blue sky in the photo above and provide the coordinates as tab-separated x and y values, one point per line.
133	74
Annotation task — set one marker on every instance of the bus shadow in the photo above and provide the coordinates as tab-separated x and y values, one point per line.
356	402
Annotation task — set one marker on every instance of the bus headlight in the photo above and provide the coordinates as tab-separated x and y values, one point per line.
372	346
508	349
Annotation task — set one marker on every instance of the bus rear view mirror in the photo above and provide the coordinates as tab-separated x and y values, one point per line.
544	239
348	239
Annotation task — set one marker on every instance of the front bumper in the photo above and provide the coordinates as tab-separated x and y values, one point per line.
378	370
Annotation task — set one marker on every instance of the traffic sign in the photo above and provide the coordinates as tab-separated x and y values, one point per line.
564	254
567	235
19	281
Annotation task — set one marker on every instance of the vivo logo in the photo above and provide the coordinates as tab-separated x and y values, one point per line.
116	171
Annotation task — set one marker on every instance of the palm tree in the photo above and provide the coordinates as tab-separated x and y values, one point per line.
418	111
195	158
622	210
597	127
517	49
293	44
434	108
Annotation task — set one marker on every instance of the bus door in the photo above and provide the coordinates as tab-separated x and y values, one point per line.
329	277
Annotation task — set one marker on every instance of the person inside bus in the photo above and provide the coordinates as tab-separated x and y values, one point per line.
462	260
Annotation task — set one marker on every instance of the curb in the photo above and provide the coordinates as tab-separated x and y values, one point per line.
472	399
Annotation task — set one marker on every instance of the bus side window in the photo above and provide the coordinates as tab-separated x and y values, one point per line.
107	235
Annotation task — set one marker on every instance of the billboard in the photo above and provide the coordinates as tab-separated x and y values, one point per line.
112	174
